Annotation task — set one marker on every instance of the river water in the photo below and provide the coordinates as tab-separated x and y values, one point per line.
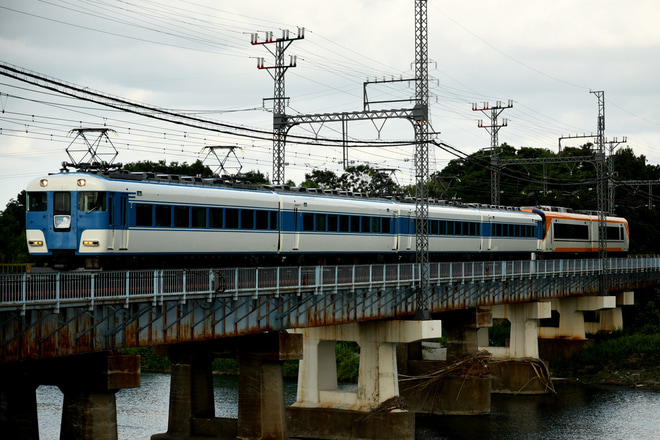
574	413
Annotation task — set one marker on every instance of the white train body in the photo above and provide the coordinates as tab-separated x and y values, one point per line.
124	221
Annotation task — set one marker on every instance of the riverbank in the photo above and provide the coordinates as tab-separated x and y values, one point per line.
624	360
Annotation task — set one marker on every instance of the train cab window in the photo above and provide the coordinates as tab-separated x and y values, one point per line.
308	221
163	216
333	220
261	219
215	218
90	201
143	215
198	217
62	201
247	219
37	201
355	223
344	223
231	218
181	217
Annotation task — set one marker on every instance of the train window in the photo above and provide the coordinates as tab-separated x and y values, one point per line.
344	223
144	215
319	222
262	219
355	223
387	225
571	232
333	220
231	218
163	216
37	201
308	221
442	227
62	202
517	232
273	220
247	219
613	233
181	217
215	218
198	217
434	227
365	222
450	228
89	201
375	225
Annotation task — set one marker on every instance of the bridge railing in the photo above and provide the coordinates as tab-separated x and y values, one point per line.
34	290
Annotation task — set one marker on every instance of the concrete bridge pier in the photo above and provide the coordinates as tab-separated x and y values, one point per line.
18	406
460	390
565	333
372	411
261	410
89	383
517	368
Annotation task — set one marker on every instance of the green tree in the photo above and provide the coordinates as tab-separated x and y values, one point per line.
195	169
255	177
324	179
13	245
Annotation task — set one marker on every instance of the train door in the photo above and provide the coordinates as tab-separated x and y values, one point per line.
119	221
297	226
394	230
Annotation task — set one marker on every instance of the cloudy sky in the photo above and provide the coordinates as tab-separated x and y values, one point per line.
195	57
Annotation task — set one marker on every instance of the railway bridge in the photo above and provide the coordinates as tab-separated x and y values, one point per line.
66	329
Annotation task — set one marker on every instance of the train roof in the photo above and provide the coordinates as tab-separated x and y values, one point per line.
230	183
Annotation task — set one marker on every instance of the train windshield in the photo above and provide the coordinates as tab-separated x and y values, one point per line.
89	201
37	201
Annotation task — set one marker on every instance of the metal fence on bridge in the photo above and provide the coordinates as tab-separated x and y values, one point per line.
39	290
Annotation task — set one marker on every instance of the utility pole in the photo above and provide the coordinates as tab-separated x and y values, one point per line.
280	127
493	129
421	123
611	187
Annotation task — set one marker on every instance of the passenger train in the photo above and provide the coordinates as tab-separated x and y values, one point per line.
120	220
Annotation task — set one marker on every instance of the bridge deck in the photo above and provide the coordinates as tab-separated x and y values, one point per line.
58	314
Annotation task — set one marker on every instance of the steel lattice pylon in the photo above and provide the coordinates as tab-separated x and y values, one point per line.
422	156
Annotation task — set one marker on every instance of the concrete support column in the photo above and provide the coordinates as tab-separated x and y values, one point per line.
89	383
323	411
465	329
88	415
191	388
18	408
524	319
261	409
571	332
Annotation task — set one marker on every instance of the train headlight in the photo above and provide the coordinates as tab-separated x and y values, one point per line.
81	182
43	183
91	243
36	242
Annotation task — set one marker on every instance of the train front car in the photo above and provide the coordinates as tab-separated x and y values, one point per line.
71	218
570	234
